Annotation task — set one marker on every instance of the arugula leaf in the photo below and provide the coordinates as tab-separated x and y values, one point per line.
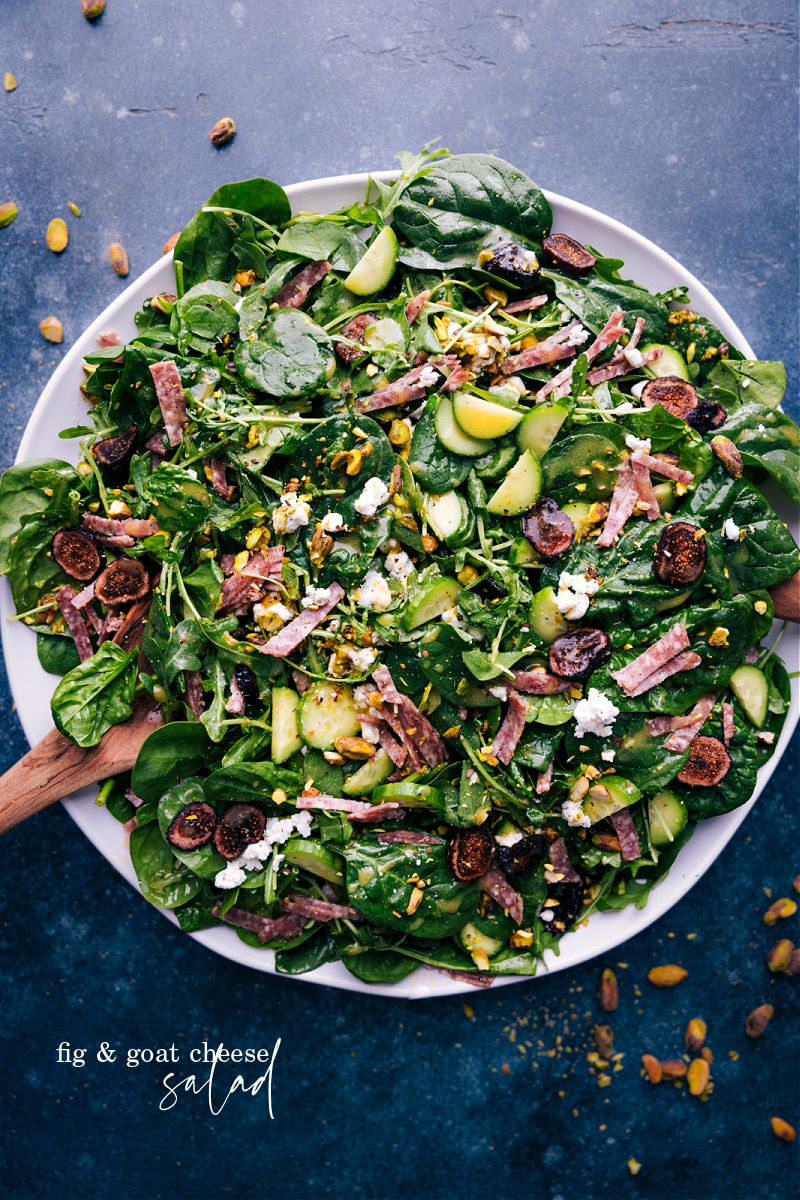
96	694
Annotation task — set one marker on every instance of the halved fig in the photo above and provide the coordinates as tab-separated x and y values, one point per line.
248	684
354	330
548	528
575	655
675	395
514	263
76	553
193	826
728	454
708	763
116	452
681	554
469	852
521	858
122	582
565	252
568	907
240	826
706	416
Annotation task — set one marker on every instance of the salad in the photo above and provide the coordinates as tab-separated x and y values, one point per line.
438	545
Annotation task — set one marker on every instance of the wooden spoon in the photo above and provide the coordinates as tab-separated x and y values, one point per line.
56	767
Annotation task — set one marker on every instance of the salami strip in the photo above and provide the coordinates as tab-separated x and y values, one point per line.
623	501
544	779
113	527
171	399
517	306
685	661
408	837
634	673
728	724
538	683
495	884
237	703
265	928
290	637
264	565
626	833
509	733
560	384
644	486
558	345
357	810
680	739
219	479
397	753
194	693
416	726
75	622
319	910
661	467
558	859
416	305
295	291
402	391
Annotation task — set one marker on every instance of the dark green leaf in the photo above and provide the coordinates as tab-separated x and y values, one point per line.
96	694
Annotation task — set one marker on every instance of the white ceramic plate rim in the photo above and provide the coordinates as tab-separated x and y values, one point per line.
61	405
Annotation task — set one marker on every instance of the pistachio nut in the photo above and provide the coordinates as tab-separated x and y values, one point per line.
608	993
667	976
780	956
785	907
92	9
57	235
119	258
9	82
8	213
51	329
603	1037
222	132
758	1020
652	1068
695	1035
782	1129
673	1068
698	1076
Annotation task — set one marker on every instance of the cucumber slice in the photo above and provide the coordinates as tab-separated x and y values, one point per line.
286	739
671	362
314	857
410	795
578	513
520	489
521	553
473	940
544	618
750	687
431	602
327	711
368	776
667	816
483	418
609	795
452	436
449	516
376	266
493	465
539	427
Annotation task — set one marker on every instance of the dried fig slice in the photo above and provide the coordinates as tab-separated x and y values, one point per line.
565	252
248	684
122	582
706	416
521	858
681	554
675	395
116	452
514	263
548	528
76	553
575	655
708	763
354	330
240	826
193	826
469	852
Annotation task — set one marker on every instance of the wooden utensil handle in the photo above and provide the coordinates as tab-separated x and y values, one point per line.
786	599
56	767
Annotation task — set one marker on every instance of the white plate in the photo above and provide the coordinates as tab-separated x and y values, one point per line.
61	405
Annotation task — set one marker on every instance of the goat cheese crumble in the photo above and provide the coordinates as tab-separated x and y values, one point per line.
572	597
633	443
399	565
373	497
731	530
315	597
574	815
332	523
277	831
293	512
595	713
374	592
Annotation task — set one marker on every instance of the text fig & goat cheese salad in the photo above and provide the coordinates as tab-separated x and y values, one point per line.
440	546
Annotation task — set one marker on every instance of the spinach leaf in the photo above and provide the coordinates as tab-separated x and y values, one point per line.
292	356
164	881
465	203
179	501
378	966
320	238
22	493
57	655
205	861
537	746
687	331
308	956
471	803
750	381
248	782
433	466
767	438
593	301
34	573
171	753
767	553
378	886
206	247
204	316
96	694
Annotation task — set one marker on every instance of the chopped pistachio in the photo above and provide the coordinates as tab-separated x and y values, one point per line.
51	329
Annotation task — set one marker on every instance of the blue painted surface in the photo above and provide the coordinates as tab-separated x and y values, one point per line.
679	120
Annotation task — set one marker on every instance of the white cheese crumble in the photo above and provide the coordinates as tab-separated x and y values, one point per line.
276	831
632	356
608	755
374	592
574	815
766	736
638	388
578	336
595	714
292	512
362	660
231	877
429	377
315	597
373	497
265	615
572	598
332	523
370	733
508	839
634	443
547	915
500	693
731	530
399	565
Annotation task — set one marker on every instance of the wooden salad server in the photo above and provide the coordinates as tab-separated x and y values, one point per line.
56	767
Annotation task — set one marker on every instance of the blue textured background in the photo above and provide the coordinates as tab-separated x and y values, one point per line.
680	119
